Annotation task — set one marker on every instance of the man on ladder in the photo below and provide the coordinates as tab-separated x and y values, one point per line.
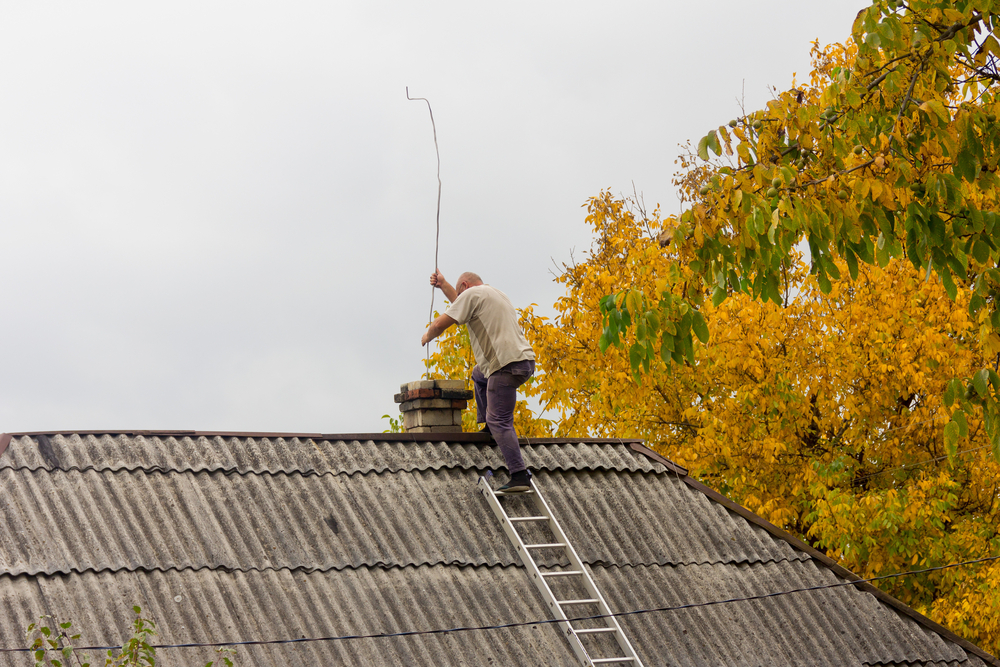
504	361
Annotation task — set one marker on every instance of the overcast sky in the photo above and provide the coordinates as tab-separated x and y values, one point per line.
220	215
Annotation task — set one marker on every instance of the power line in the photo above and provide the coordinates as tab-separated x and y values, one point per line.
548	621
908	466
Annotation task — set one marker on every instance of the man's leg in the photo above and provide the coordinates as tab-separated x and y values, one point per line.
479	385
501	397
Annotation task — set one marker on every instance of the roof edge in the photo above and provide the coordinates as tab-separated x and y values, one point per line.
638	446
840	570
387	437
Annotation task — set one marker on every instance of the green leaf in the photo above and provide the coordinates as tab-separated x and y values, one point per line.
951	439
602	343
981	251
718	296
635	356
882	254
966	166
949	394
713	142
703	148
666	347
949	283
824	282
963	424
699	327
852	264
981	381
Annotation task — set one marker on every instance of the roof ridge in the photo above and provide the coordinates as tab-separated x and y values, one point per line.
343	437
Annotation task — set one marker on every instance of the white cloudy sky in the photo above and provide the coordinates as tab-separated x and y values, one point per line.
220	215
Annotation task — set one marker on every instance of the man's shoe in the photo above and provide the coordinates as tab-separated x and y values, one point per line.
520	482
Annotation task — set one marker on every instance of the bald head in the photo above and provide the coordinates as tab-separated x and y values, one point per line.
467	280
472	278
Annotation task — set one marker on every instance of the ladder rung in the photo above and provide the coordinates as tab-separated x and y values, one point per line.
590	631
565	602
603	661
529	518
562	574
545	546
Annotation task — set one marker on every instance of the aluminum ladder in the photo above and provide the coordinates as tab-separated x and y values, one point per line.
543	515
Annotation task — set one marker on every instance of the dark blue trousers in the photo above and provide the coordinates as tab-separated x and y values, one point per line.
495	400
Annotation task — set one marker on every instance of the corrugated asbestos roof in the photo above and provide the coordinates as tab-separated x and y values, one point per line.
239	538
302	455
836	627
322	522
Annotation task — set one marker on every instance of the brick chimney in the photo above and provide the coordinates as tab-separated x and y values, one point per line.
433	406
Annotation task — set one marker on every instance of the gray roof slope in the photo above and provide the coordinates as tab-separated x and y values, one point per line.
248	522
836	627
280	537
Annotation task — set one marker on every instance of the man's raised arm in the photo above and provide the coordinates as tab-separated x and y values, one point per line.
437	280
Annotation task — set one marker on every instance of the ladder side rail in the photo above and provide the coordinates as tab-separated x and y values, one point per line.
536	575
577	564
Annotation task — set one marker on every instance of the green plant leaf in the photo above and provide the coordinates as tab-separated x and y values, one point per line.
949	394
963	424
951	438
713	142
699	327
703	148
635	356
981	381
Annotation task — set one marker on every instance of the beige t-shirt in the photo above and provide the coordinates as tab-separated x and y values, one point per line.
494	331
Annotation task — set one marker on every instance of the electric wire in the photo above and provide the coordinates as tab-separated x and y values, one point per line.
437	218
909	466
547	621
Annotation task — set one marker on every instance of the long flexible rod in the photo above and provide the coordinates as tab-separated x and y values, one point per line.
437	219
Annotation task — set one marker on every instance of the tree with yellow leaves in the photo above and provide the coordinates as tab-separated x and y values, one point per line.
849	396
824	414
889	152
